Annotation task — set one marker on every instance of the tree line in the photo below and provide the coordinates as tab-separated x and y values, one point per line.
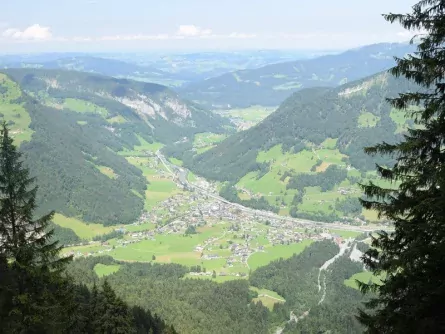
36	293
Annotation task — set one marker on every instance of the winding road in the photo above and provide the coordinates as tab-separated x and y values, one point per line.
181	175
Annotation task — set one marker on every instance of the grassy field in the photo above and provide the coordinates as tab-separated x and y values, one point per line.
329	143
253	114
368	120
270	293
107	171
105	270
191	177
273	187
345	234
83	106
117	119
144	146
267	297
83	230
364	277
173	248
217	279
205	141
175	161
159	190
288	85
159	187
276	252
142	227
13	113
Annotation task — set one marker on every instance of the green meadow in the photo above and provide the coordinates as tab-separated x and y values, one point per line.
82	229
83	106
144	146
253	114
364	277
368	120
276	252
14	114
105	270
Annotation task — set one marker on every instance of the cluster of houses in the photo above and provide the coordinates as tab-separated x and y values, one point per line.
346	191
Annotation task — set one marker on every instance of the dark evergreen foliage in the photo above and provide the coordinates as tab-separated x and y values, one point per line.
191	305
326	180
411	297
32	285
36	295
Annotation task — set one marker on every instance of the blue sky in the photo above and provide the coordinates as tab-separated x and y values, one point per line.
139	25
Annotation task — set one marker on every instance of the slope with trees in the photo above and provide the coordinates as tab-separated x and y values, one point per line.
191	305
314	140
36	295
78	122
410	298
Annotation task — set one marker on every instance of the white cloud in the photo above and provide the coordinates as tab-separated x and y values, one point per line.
241	35
193	31
138	37
33	32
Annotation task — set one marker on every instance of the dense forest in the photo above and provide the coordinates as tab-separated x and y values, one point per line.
191	305
297	279
67	147
203	306
36	294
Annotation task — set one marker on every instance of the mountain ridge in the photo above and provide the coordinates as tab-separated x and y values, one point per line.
72	132
314	139
272	84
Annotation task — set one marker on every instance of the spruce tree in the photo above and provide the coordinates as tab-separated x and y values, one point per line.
36	292
411	296
110	313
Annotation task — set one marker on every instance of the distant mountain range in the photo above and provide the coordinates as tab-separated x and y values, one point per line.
91	64
71	126
167	69
272	84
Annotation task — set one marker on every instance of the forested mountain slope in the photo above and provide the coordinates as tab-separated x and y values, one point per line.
71	127
314	139
205	306
270	85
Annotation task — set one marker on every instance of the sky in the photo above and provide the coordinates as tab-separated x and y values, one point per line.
144	25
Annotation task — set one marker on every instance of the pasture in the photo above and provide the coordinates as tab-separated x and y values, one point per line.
364	277
13	113
276	252
82	106
82	229
102	270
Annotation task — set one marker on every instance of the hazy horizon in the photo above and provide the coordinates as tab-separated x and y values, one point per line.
196	25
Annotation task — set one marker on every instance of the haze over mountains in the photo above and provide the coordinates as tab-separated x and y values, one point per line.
169	69
271	84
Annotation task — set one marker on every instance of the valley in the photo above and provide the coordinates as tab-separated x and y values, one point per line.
248	196
229	240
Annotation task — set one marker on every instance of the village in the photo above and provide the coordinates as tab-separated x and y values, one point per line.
242	233
239	233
